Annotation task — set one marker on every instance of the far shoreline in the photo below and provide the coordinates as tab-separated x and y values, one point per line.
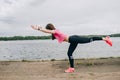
14	38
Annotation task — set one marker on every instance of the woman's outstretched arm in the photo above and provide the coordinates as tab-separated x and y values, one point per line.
36	27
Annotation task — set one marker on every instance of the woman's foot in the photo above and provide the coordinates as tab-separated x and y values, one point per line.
107	40
70	70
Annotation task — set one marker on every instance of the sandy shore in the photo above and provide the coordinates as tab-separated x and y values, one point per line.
92	69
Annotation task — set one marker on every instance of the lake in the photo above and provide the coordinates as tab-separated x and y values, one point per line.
48	49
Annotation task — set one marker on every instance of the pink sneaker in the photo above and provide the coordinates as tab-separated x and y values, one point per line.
108	41
70	70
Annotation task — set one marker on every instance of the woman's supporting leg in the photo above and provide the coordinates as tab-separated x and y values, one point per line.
71	49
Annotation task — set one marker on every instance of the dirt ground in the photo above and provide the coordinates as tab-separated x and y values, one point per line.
92	69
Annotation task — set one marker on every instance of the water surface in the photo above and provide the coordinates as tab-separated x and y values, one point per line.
48	49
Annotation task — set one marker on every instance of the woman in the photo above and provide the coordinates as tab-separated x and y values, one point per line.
74	40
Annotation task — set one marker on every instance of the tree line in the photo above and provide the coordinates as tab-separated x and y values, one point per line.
43	37
24	38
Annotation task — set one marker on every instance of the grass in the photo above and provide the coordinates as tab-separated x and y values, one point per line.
52	60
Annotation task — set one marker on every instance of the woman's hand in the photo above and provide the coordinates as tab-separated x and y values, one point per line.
36	27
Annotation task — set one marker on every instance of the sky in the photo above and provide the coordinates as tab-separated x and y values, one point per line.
82	17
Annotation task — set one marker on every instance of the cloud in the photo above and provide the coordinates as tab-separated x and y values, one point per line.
9	7
37	2
8	20
88	15
12	10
